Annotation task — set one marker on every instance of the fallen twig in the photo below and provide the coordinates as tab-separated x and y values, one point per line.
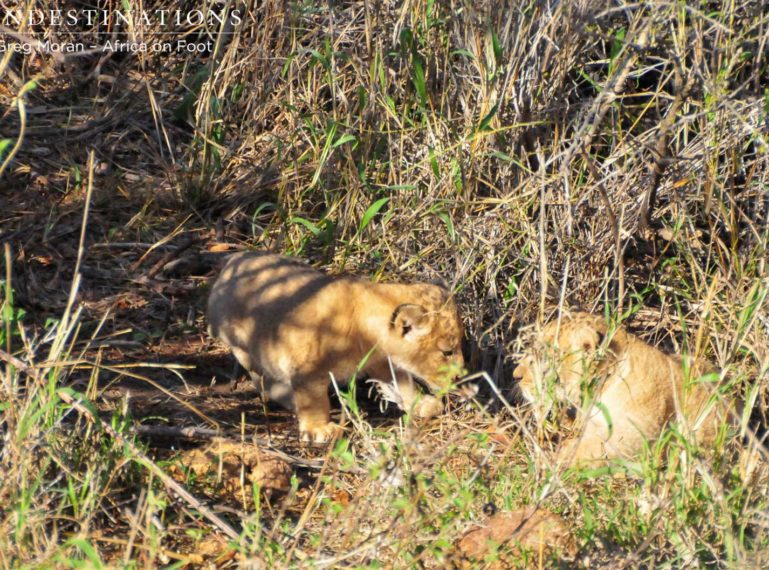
200	433
170	255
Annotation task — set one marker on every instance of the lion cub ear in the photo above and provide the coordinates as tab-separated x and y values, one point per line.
410	320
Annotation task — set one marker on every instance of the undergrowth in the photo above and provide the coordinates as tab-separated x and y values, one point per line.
539	156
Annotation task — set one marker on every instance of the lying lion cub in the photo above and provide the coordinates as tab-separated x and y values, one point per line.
296	325
636	389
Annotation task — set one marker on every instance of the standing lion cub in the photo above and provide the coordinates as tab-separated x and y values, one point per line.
634	389
296	325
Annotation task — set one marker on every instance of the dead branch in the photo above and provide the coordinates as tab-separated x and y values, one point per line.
583	138
662	153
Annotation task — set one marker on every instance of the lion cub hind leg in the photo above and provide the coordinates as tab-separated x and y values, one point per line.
275	391
312	409
272	390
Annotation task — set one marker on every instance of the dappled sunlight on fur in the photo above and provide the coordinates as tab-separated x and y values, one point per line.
296	325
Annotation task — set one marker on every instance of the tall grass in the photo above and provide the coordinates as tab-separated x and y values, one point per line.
539	156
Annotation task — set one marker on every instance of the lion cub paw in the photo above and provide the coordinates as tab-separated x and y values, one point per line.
428	407
322	433
466	391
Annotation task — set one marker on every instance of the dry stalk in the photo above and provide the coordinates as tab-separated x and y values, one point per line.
662	152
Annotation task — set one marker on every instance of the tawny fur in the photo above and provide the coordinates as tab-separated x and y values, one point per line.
640	388
296	325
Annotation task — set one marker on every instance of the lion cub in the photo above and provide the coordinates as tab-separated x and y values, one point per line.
636	389
296	325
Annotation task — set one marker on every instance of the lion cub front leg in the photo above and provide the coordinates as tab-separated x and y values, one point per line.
423	405
312	409
597	445
582	451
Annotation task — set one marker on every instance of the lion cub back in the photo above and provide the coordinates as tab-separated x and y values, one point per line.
255	292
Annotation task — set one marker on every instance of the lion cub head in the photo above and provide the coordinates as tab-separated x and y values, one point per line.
425	336
567	355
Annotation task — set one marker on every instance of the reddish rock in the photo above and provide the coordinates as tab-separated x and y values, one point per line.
535	530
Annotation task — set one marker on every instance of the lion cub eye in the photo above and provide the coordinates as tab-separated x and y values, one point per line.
447	353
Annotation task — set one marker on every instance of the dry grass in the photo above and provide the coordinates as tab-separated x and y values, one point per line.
538	156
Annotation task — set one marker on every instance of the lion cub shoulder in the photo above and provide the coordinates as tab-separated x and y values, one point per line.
296	325
625	390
